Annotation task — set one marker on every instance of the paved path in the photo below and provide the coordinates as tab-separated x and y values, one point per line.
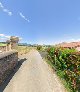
34	76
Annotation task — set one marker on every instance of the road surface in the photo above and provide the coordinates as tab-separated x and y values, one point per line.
34	76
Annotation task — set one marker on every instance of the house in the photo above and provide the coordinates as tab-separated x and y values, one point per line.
70	45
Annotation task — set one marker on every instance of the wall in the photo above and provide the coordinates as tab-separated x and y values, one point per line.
8	60
13	45
2	48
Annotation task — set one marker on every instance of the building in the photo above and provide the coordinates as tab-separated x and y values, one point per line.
70	45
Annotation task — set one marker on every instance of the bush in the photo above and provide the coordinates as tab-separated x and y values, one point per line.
39	47
67	61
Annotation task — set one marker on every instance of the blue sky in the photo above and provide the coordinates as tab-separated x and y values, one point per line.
40	21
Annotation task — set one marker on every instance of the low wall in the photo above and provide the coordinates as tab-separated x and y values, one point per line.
8	61
2	48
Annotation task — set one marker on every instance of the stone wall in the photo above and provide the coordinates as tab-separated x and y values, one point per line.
8	61
2	48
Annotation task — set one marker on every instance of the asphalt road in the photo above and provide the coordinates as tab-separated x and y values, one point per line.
34	75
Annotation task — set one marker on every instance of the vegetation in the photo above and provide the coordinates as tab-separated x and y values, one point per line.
2	44
39	47
67	64
24	49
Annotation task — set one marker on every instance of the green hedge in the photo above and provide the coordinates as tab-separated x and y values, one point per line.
67	61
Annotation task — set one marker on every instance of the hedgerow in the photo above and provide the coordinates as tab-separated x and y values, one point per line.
67	61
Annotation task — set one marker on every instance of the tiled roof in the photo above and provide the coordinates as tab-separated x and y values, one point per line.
67	45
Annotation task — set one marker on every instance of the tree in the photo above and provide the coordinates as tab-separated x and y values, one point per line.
39	47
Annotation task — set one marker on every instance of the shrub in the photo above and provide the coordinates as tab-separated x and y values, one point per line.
67	61
39	47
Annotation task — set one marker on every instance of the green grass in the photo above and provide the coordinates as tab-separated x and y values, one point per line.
65	83
61	76
1	44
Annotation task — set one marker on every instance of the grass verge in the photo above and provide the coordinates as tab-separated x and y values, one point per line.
60	74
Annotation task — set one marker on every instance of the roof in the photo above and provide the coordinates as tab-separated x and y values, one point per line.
69	45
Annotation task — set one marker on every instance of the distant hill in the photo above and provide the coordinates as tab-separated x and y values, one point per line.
24	44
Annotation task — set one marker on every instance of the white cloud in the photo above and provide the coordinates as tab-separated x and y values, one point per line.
20	38
5	10
2	35
7	37
2	38
1	5
10	13
43	41
73	40
53	42
22	16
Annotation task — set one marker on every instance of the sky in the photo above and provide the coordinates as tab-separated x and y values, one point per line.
40	21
